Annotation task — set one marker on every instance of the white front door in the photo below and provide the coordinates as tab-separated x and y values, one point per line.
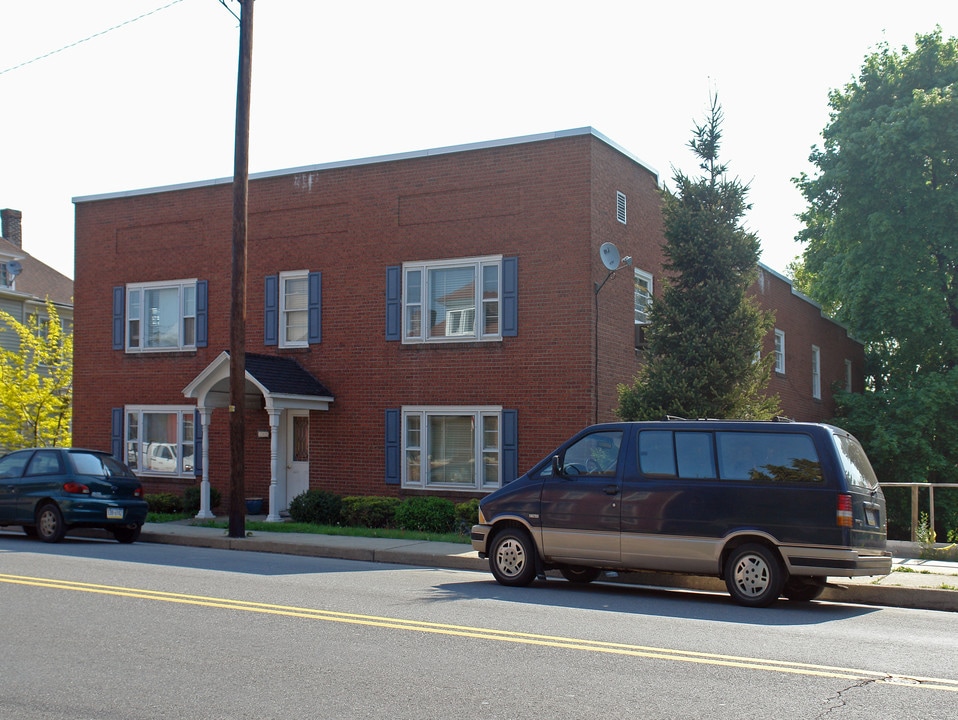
297	453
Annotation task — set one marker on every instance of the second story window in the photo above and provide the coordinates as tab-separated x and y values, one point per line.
294	309
816	372
452	300
643	296
780	351
161	316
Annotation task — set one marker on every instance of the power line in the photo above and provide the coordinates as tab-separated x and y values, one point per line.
91	37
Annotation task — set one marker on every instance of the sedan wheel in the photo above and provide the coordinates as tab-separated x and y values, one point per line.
513	557
50	525
754	575
126	535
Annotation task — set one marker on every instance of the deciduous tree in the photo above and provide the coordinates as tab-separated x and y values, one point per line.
36	382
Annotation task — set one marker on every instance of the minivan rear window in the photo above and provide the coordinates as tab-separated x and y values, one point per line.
767	457
858	470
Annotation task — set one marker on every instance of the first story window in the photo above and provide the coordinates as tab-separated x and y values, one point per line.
452	447
160	439
848	375
452	300
161	316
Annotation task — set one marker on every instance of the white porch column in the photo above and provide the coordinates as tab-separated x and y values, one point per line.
274	417
205	513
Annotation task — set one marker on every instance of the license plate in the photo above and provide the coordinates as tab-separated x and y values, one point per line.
871	517
114	513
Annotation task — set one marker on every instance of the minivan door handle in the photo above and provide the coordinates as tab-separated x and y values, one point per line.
611	489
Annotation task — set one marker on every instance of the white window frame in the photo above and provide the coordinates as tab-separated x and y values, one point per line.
135	293
780	351
417	442
285	312
816	372
416	307
642	299
138	447
621	207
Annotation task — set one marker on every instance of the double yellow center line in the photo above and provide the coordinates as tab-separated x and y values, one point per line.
490	634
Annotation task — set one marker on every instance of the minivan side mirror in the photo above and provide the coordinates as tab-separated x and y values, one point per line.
557	470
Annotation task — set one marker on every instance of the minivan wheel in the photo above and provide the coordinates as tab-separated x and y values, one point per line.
803	589
581	575
50	527
754	575
513	557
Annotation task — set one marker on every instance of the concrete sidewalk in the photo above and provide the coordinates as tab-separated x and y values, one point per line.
913	582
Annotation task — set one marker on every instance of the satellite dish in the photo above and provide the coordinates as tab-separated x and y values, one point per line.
610	256
14	268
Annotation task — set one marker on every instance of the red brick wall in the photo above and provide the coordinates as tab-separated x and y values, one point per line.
804	326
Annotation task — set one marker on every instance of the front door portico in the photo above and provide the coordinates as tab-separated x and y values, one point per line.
288	392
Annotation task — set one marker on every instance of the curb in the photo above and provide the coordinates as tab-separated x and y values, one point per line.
443	555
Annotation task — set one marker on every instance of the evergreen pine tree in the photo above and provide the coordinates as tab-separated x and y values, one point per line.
705	331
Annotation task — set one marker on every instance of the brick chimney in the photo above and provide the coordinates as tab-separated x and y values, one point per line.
10	227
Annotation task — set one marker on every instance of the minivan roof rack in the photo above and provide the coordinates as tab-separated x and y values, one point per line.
674	417
780	418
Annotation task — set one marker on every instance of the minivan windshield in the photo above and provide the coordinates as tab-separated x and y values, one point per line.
858	470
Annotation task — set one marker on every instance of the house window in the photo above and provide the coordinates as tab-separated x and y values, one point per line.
294	309
452	300
643	296
848	375
816	373
620	207
452	448
161	316
5	276
160	440
780	351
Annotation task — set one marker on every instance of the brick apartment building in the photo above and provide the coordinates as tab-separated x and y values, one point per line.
417	323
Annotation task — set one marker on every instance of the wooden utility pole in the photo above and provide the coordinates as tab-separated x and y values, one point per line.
237	524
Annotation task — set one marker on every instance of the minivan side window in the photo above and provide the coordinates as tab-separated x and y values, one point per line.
767	457
680	454
595	454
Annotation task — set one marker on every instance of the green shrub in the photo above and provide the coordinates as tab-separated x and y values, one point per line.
316	506
426	514
191	499
164	503
371	512
467	515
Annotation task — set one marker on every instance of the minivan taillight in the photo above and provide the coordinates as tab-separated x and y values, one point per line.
75	488
843	516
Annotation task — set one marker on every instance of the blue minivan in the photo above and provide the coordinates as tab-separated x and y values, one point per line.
773	508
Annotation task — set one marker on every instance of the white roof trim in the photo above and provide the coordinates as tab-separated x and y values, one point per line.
377	159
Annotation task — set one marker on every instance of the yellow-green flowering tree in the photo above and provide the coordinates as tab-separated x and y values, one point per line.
36	383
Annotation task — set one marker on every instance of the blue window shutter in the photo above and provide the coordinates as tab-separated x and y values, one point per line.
315	307
394	302
393	420
197	444
119	300
202	313
510	293
116	434
510	445
271	311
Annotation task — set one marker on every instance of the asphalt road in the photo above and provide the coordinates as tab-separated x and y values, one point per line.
100	630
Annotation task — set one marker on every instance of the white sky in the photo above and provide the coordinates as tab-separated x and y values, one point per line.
152	103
